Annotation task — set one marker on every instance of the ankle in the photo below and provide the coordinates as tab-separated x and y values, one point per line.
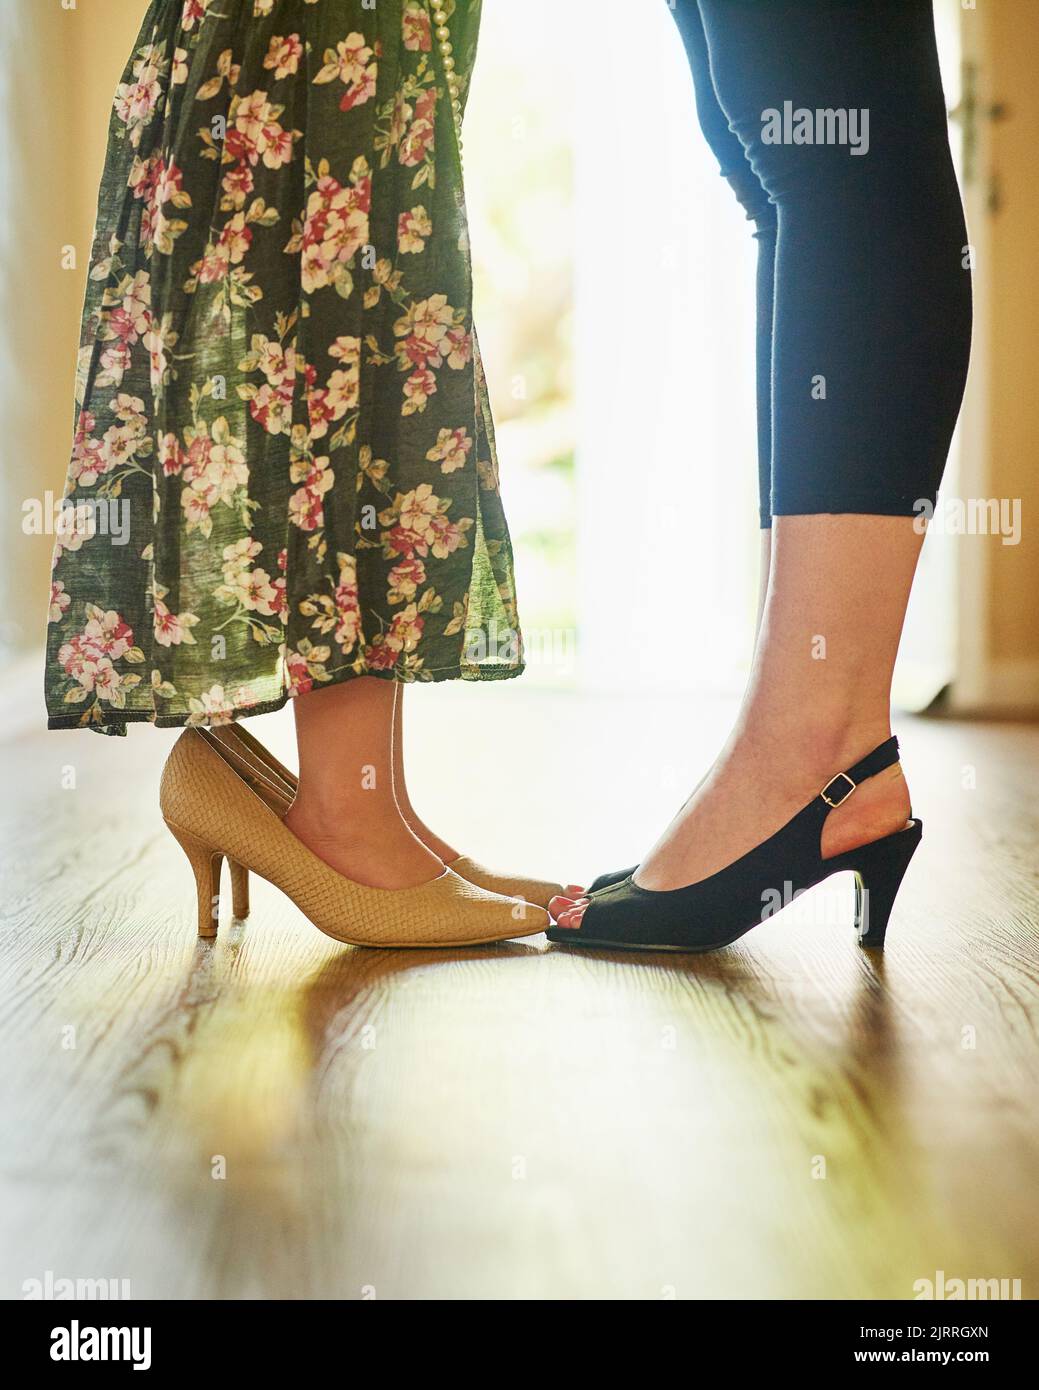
337	815
374	850
818	743
838	744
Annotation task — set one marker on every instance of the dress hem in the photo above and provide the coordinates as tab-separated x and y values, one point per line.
115	721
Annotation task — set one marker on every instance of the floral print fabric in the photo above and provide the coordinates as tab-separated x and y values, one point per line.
283	471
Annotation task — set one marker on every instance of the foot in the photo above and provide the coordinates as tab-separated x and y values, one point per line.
756	786
369	843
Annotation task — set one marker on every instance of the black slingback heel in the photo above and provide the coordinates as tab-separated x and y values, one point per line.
720	909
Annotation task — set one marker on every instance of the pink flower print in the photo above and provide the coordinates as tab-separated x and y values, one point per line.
416	28
236	237
458	348
402	636
115	363
135	101
351	61
300	680
171	455
335	228
417	390
171	629
406	629
306	503
405	579
451	450
446	537
347	602
412	229
256	133
417	144
59	602
283	55
238	183
380	656
193	11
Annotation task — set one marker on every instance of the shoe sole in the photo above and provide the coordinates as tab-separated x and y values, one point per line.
589	943
586	942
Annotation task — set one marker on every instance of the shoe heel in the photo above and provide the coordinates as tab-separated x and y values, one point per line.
879	871
205	865
239	890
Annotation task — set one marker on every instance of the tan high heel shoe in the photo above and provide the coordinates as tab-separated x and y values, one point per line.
217	810
243	748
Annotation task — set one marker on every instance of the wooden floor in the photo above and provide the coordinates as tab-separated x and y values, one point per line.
789	1117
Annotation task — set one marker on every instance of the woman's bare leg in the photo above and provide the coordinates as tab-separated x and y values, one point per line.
345	809
818	700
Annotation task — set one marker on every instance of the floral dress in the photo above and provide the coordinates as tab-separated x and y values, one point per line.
283	472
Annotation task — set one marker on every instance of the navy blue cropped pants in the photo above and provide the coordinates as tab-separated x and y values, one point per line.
828	119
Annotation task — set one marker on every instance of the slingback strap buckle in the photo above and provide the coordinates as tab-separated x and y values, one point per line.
841	799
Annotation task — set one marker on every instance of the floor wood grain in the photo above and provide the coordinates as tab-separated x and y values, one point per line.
273	1115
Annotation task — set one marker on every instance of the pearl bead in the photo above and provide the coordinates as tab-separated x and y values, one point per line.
454	86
